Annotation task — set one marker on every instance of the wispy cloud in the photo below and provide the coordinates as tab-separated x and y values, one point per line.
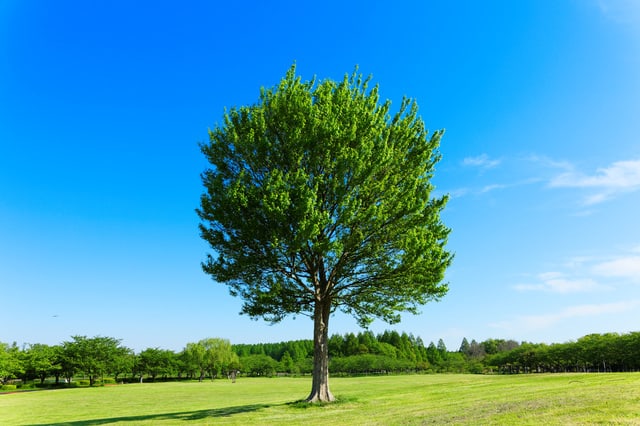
620	177
493	187
603	184
558	282
549	162
483	161
543	321
497	186
624	267
622	11
621	174
546	320
581	274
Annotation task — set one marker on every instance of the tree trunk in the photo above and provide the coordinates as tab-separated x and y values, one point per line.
320	386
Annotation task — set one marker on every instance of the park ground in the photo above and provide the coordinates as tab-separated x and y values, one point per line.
534	399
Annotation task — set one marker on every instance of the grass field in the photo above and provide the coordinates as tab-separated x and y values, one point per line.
560	399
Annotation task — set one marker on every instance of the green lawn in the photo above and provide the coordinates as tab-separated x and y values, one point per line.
387	400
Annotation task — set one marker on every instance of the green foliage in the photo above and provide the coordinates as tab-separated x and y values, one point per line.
41	361
8	387
287	365
258	365
156	362
318	189
354	354
351	354
298	349
123	362
610	352
93	357
372	364
318	198
212	355
11	362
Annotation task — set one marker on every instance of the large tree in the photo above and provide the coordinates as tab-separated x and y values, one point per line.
319	198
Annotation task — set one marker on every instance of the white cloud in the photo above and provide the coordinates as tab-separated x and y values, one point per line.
578	261
550	163
597	198
546	320
621	174
581	274
625	267
492	187
557	282
543	321
619	177
483	161
496	186
601	185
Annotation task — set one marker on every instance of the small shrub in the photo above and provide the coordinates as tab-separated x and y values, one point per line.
109	381
9	387
83	382
27	386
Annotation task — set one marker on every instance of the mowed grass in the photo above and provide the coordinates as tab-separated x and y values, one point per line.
562	399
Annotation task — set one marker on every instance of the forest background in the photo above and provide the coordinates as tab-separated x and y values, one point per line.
103	360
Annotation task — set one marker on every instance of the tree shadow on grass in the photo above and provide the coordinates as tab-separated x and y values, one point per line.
185	416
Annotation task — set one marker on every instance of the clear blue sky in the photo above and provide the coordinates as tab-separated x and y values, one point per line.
103	104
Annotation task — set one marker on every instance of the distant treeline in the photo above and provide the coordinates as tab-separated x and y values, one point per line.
104	359
389	352
392	352
610	352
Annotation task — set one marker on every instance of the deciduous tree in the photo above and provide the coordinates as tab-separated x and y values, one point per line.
41	361
10	363
92	356
320	198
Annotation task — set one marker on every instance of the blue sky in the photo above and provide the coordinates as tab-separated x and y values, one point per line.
103	104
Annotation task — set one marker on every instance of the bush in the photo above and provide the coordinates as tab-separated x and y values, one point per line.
109	381
83	382
9	387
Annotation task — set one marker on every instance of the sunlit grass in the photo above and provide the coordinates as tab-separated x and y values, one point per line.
380	400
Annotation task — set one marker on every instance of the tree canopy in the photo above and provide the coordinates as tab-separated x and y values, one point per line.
319	198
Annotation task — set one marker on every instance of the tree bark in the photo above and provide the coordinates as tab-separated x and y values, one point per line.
320	386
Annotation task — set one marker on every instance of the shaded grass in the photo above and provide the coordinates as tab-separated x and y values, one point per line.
382	400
